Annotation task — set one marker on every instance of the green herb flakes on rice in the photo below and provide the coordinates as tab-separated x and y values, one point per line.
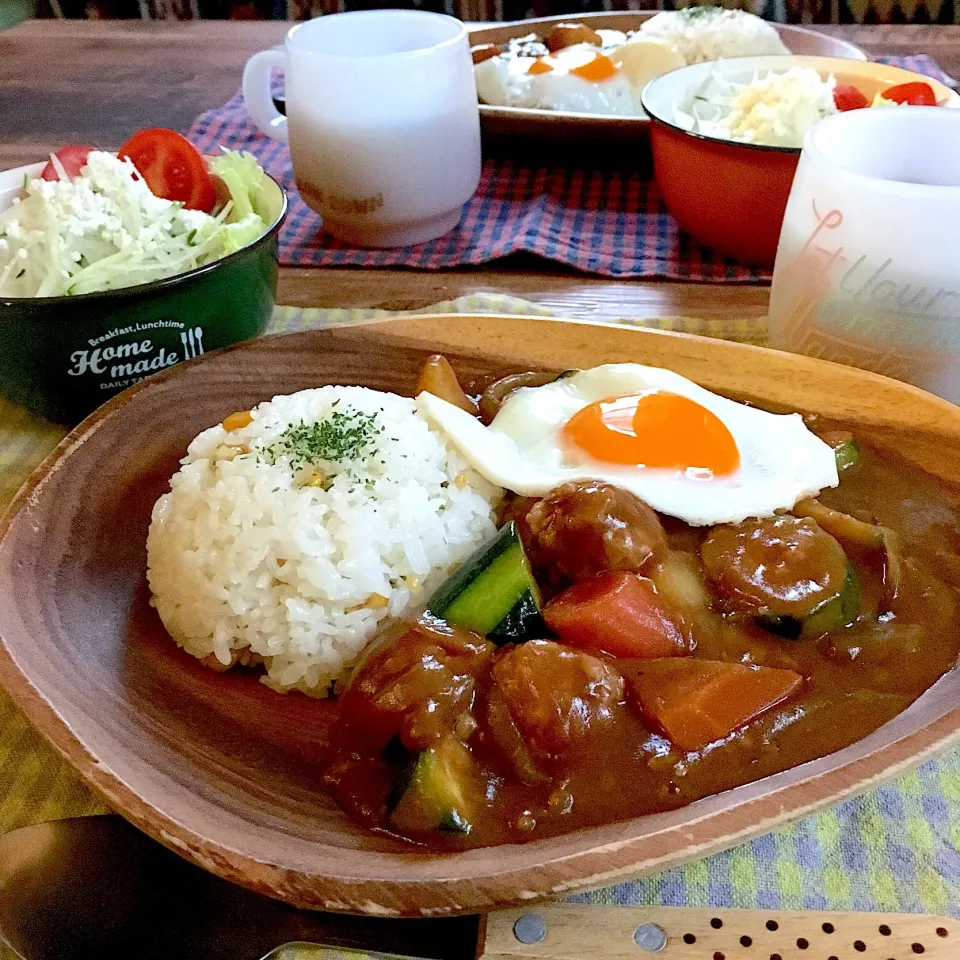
290	539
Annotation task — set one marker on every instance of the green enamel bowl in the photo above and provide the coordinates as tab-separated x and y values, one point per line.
62	357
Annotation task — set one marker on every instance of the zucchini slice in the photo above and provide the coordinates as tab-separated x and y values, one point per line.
846	452
847	455
833	613
435	791
493	592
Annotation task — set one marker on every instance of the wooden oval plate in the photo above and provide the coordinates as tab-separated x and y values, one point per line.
564	125
225	771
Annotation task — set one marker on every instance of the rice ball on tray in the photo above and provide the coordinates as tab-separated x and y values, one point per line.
713	33
287	539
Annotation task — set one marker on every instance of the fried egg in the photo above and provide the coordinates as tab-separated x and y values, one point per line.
685	451
580	78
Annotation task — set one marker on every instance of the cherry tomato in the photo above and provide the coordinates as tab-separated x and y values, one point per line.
847	97
171	167
73	159
916	94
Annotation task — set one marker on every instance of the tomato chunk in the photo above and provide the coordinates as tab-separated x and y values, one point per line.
696	702
916	94
847	97
171	167
617	612
73	159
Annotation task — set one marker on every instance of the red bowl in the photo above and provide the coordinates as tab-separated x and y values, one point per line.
741	193
731	196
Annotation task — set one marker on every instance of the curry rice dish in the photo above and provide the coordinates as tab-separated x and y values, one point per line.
549	602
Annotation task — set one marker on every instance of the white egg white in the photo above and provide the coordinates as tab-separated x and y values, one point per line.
614	97
503	82
609	39
781	461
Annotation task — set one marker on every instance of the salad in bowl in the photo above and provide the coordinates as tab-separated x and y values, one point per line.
726	136
116	265
94	221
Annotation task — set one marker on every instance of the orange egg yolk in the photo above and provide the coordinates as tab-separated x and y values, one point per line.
540	65
656	429
595	70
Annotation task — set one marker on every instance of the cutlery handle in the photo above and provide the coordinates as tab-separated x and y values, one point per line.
572	932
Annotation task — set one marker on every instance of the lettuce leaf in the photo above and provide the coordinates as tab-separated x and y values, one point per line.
245	180
233	236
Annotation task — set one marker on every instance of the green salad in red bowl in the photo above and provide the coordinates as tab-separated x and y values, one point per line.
116	265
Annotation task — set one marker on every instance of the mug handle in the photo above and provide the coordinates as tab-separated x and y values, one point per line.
257	94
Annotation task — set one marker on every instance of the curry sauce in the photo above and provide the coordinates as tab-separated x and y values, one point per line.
548	737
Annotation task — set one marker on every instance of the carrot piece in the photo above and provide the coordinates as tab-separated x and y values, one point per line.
696	702
237	421
617	612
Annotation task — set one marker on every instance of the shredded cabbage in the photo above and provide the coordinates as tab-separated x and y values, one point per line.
776	109
105	230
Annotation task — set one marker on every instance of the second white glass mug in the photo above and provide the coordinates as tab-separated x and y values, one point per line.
868	267
382	120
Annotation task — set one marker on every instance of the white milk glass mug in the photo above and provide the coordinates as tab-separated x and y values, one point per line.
868	266
382	120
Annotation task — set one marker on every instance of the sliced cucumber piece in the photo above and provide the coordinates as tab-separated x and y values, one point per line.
493	592
435	791
847	455
833	613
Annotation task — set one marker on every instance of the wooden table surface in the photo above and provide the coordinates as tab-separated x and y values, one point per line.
69	81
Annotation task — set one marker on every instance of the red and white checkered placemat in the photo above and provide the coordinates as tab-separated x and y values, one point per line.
612	224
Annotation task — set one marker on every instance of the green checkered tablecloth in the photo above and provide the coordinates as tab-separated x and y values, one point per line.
895	849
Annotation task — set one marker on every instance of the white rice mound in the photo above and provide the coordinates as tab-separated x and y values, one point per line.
248	560
713	33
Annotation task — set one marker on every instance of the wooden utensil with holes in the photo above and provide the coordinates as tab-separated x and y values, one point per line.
572	932
568	932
